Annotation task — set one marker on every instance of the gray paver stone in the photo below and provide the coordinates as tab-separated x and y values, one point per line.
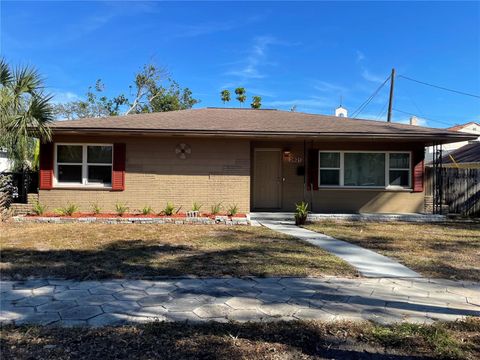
243	303
81	312
33	301
95	300
246	315
130	295
120	306
154	300
106	289
15	294
184	304
212	311
57	305
71	294
39	318
280	309
313	314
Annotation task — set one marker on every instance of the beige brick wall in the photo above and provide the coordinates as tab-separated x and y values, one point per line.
218	170
342	200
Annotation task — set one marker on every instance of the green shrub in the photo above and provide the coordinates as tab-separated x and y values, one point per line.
38	208
232	210
96	209
121	208
147	210
196	206
67	210
169	209
216	208
301	213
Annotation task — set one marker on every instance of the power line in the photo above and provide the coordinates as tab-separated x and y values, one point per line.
440	87
369	99
422	117
382	111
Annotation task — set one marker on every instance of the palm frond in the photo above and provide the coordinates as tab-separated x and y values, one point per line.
5	74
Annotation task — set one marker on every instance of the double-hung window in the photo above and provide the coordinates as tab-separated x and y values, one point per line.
84	165
399	171
364	169
329	164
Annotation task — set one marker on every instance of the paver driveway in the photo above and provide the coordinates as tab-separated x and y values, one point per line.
98	303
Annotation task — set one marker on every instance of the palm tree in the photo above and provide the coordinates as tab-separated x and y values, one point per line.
241	95
256	102
225	95
25	110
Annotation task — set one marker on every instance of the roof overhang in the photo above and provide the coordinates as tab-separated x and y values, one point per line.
427	139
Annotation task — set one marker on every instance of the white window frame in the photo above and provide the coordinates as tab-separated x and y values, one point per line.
340	169
409	169
386	170
84	183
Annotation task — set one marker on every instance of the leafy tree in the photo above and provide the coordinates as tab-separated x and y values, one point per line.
241	95
24	106
225	95
152	91
95	105
256	102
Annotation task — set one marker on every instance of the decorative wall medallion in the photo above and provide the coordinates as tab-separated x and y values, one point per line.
183	151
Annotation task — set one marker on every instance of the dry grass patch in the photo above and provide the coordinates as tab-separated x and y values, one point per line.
281	340
95	251
444	250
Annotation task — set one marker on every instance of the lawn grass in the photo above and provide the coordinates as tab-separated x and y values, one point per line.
99	251
279	340
449	250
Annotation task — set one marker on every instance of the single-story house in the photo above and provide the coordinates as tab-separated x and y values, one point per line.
261	160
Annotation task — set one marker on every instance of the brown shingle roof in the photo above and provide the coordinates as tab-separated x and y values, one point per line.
246	122
469	153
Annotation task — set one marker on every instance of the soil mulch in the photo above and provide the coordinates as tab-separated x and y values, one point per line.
280	340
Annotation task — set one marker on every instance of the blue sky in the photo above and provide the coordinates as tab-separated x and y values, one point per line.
304	54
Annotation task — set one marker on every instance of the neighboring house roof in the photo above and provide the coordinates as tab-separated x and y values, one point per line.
469	153
249	122
462	126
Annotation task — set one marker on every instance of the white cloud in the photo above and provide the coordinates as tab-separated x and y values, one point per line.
60	97
324	86
369	76
257	57
360	56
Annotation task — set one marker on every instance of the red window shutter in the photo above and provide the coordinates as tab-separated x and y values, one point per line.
118	168
46	166
418	170
312	171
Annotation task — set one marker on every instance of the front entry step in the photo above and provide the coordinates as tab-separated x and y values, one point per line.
279	216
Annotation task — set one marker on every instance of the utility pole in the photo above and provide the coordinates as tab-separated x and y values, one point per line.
390	101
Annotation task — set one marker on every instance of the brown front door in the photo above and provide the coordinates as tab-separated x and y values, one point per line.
267	179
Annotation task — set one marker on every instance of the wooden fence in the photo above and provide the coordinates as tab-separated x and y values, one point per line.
460	190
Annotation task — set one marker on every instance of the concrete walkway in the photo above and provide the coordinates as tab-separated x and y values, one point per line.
114	302
367	262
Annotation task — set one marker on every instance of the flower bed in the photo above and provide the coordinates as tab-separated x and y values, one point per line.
205	219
